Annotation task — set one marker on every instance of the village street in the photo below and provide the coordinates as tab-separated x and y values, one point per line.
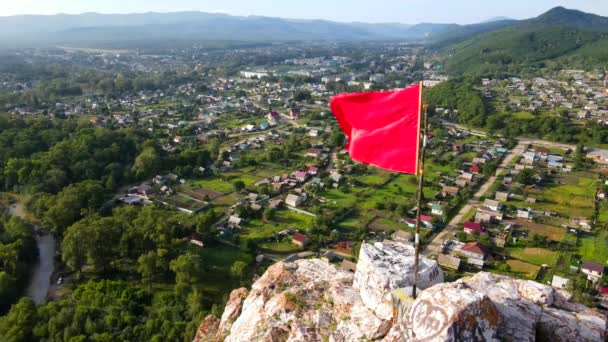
435	246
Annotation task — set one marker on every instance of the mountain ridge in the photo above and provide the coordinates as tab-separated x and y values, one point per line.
554	37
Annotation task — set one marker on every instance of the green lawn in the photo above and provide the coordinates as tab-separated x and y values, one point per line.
280	247
338	198
603	213
523	115
533	255
594	248
570	195
373	179
258	229
217	281
215	184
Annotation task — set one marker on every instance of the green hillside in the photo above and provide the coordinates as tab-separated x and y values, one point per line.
552	38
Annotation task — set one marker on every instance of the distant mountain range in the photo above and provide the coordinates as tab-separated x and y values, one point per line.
94	28
496	44
559	36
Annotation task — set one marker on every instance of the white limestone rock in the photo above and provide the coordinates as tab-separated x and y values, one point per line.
453	312
384	267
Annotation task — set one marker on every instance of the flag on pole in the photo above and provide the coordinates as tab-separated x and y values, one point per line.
383	128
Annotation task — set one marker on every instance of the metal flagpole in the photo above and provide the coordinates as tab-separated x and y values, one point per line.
422	130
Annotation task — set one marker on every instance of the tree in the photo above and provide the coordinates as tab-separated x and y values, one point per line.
269	214
238	269
238	185
188	270
150	265
18	324
525	177
147	162
74	248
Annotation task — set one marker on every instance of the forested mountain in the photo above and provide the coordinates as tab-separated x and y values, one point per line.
551	39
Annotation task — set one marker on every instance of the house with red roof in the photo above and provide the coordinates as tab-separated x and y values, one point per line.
301	176
471	227
426	221
300	240
475	169
274	117
313	170
475	253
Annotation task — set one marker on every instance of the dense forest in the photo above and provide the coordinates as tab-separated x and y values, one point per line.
67	172
556	39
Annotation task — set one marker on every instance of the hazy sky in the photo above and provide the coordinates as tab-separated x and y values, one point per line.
404	11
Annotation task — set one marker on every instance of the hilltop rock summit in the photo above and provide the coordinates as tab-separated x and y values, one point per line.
311	300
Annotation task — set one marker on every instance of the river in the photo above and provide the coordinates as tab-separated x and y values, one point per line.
40	281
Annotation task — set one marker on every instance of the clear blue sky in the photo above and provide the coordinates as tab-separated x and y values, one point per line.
404	11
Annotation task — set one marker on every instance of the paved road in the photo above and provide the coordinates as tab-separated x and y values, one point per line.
40	281
434	247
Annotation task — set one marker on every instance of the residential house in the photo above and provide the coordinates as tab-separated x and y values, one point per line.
475	253
275	203
475	169
293	200
234	221
594	271
197	239
345	246
313	133
468	178
253	197
529	158
438	209
143	190
313	170
300	239
492	205
485	215
424	219
524	214
314	153
559	282
264	126
403	236
502	196
449	191
472	227
336	176
599	156
274	117
449	261
301	176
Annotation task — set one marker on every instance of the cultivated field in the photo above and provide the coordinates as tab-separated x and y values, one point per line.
523	269
535	255
551	232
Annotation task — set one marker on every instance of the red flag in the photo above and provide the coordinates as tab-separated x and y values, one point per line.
382	127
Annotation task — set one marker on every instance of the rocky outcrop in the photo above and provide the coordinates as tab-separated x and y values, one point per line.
383	268
311	300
